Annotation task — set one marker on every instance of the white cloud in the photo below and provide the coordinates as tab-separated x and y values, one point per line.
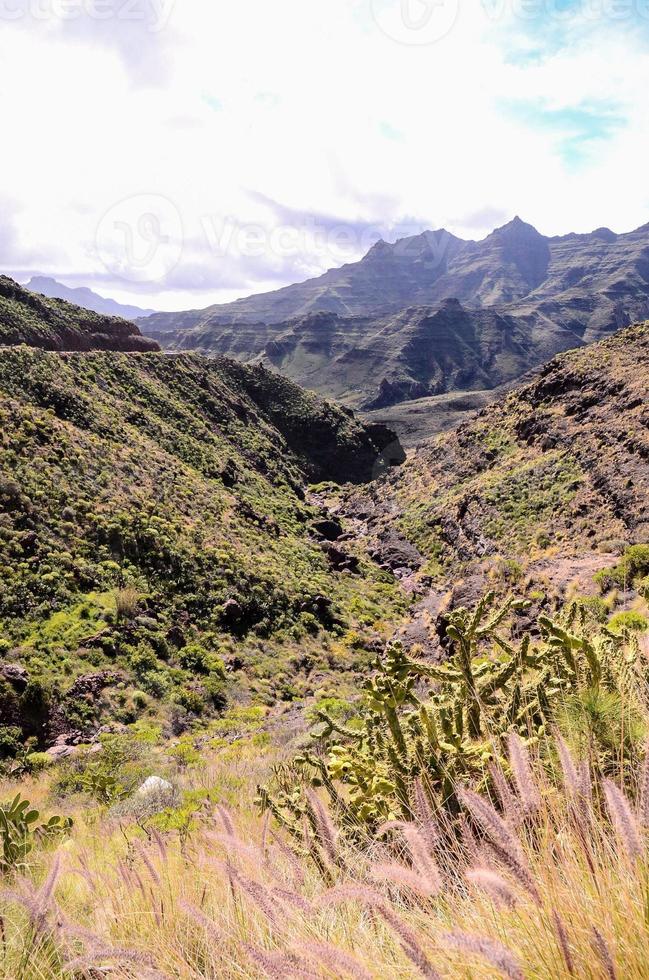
287	135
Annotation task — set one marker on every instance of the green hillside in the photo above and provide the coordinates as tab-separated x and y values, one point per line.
53	324
540	488
156	536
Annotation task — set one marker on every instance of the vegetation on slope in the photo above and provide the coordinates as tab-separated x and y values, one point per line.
559	469
53	324
154	536
480	812
532	860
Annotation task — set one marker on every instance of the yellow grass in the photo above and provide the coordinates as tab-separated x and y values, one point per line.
220	905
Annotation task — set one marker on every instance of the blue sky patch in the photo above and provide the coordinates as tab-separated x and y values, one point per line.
532	31
577	131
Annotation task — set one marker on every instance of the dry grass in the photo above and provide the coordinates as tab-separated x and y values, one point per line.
560	892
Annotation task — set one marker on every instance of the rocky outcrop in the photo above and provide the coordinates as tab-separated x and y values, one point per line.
557	472
54	325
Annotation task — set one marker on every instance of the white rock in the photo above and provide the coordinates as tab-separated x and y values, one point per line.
154	784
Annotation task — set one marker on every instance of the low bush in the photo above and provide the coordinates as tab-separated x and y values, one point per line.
633	565
630	621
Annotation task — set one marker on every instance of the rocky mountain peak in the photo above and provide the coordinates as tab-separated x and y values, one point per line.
451	305
516	231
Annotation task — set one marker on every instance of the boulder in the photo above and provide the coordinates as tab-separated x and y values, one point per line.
154	784
232	613
15	675
339	560
328	529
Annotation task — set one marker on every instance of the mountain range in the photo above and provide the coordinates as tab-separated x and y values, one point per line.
84	297
431	314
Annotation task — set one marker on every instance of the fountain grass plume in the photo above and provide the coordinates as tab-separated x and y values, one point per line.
501	838
493	883
327	832
564	945
519	761
604	954
487	949
624	820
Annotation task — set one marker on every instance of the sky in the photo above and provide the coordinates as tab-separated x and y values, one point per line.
178	153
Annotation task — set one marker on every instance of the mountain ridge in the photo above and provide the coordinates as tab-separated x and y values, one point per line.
84	297
555	293
436	249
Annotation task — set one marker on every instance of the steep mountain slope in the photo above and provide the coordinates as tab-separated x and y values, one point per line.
387	279
373	362
155	531
536	489
383	330
53	324
84	297
513	264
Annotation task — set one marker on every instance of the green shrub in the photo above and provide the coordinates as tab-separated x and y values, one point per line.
38	761
630	621
189	699
634	564
11	740
185	754
216	691
509	570
607	720
194	658
142	659
156	683
594	606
